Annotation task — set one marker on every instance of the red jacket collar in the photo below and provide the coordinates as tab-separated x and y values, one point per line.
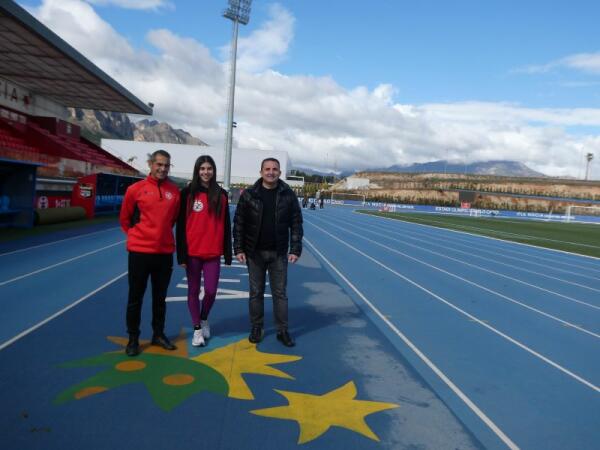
153	180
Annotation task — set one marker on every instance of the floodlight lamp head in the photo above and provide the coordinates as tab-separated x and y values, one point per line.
239	11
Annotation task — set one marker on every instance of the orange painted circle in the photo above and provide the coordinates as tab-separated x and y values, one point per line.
178	379
86	392
130	366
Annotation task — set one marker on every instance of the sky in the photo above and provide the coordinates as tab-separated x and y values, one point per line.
352	85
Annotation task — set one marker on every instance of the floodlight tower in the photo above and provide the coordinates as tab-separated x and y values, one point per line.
589	158
238	12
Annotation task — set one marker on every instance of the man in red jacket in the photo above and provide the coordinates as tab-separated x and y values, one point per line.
148	213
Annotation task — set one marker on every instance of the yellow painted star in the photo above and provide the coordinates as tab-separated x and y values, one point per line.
317	413
241	357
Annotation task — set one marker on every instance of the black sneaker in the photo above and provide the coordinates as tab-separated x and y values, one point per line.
256	335
133	346
284	337
162	341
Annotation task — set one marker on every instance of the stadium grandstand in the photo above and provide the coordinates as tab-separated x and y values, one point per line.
41	76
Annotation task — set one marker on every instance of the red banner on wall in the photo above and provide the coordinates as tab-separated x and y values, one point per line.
84	194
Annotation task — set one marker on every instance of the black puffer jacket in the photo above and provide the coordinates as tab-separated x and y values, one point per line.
248	218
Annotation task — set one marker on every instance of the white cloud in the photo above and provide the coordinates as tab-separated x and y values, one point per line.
78	24
266	46
583	62
320	123
586	62
135	4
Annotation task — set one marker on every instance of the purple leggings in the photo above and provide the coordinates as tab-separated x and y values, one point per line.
195	267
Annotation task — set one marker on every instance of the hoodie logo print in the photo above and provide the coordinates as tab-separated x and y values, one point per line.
198	206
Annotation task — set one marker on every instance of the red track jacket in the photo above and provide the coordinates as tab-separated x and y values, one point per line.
148	214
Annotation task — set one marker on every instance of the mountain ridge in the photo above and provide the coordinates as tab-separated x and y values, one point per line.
98	125
505	168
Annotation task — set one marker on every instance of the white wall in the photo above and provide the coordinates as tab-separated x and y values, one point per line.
245	163
357	183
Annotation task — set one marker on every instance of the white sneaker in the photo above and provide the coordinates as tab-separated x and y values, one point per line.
205	329
198	339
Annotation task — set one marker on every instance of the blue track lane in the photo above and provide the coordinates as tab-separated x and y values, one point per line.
481	343
520	391
40	281
337	345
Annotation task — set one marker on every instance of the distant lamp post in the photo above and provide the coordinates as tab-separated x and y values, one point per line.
238	12
589	158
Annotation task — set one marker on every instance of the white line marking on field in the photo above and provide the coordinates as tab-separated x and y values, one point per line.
55	315
508	233
470	316
558	294
482	236
499	294
472	406
222	294
222	280
465	241
59	264
471	253
56	242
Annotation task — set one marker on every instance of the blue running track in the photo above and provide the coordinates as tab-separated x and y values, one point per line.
408	337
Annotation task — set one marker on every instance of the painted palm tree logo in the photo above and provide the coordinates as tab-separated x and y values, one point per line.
173	377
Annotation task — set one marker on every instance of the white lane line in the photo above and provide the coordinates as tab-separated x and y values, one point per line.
466	241
20	277
483	237
227	280
495	253
460	394
56	242
465	280
221	280
424	238
558	294
507	233
465	313
472	254
222	294
55	315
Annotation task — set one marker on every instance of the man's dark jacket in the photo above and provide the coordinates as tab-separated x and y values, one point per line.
248	218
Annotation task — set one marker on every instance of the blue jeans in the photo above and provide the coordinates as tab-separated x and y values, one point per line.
276	265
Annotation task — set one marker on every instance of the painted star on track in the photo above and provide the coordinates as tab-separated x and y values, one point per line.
234	360
315	414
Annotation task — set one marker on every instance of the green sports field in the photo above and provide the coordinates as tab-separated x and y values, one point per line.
583	239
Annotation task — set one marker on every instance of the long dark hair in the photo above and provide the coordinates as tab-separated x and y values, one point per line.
214	190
